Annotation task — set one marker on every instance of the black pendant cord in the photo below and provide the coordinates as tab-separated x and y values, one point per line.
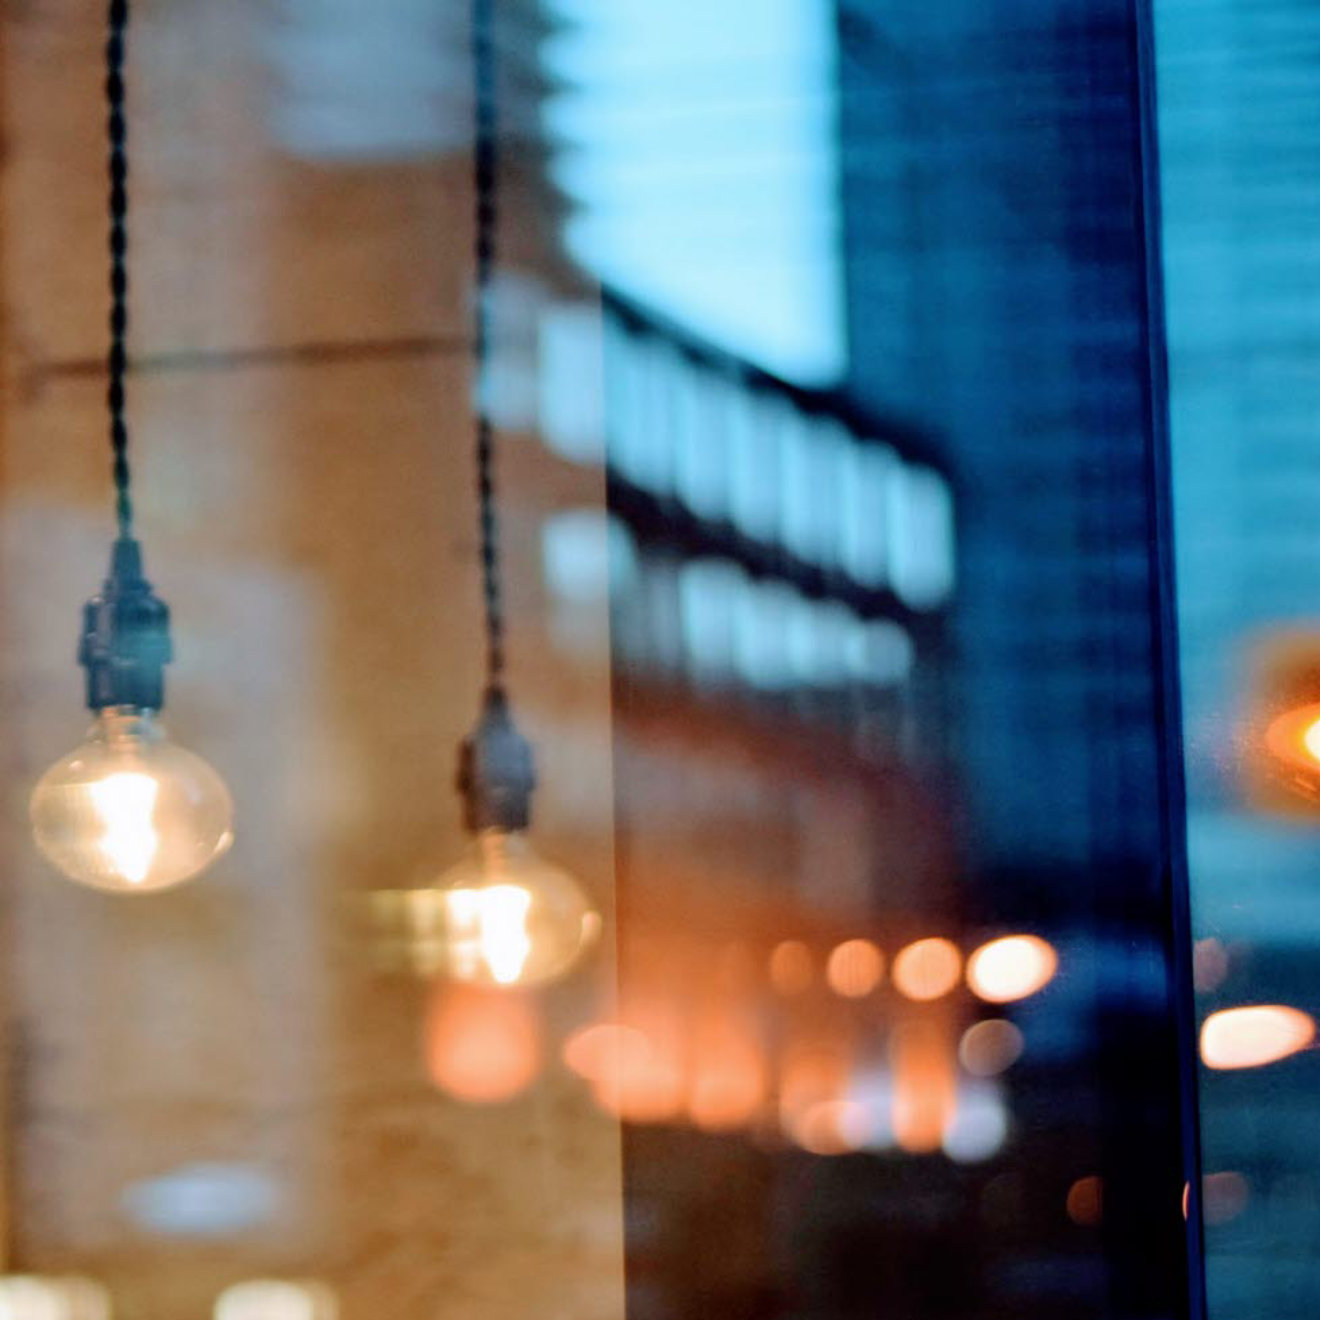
496	774
117	361
125	641
485	170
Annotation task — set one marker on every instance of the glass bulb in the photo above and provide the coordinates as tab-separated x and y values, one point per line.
512	918
130	812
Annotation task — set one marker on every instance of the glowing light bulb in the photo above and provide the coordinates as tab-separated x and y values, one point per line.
130	812
512	918
126	802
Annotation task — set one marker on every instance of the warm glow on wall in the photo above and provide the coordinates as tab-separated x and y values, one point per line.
854	968
928	969
1255	1035
482	1045
1011	968
52	1297
925	1085
792	968
276	1299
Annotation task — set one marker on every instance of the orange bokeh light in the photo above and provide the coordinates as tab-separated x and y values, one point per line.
1295	736
1086	1201
990	1048
1011	968
483	1045
596	1051
813	1071
643	1077
1224	1197
925	1086
928	969
1210	965
792	968
1253	1036
854	968
830	1127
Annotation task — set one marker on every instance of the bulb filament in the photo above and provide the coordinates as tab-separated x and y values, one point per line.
489	926
125	803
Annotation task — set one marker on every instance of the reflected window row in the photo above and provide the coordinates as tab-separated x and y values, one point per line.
735	452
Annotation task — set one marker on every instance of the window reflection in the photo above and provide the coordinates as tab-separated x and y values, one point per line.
1242	312
820	374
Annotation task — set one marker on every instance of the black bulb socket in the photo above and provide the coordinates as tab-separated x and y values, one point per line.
496	773
125	643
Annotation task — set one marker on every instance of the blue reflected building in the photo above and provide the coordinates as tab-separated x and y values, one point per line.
936	532
1239	95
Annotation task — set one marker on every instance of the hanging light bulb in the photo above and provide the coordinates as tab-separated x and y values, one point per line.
130	811
510	918
127	810
513	918
501	916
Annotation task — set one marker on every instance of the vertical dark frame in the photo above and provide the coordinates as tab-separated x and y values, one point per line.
1164	615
